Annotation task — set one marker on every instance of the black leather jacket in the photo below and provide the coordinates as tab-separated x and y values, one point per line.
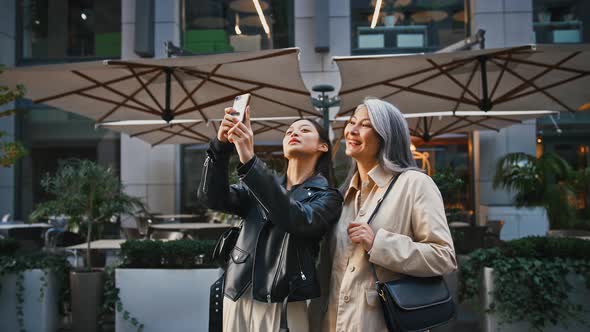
279	241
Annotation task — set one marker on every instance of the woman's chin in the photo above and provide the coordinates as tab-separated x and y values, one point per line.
352	153
294	151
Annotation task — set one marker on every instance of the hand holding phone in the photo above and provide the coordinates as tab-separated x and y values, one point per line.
233	115
239	107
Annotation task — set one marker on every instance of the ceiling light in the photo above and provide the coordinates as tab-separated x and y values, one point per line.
376	14
262	18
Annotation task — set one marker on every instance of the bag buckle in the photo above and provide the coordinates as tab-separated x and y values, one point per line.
382	295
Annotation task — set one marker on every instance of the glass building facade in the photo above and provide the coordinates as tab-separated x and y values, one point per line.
406	26
214	26
57	30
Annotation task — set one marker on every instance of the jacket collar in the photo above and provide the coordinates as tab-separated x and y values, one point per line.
378	175
317	181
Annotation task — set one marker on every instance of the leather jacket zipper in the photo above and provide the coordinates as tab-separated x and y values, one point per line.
258	199
300	265
204	175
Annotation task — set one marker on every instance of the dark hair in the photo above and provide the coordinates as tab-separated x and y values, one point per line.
324	164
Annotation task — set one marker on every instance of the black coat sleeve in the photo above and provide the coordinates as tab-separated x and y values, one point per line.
215	190
310	218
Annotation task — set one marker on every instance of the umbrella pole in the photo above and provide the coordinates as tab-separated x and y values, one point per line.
167	115
485	104
324	102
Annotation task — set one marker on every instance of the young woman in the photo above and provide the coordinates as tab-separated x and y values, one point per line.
284	221
409	234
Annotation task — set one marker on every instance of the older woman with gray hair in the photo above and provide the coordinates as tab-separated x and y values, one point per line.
408	235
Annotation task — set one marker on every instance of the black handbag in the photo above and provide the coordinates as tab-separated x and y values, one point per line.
225	244
413	303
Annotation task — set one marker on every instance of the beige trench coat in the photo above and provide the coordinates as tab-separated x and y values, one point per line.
411	237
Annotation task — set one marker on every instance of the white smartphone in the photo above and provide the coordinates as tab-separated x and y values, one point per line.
240	104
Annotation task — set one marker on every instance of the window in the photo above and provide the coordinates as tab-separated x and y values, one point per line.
62	29
216	26
406	26
49	136
561	22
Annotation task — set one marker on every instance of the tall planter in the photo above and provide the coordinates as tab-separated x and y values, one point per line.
491	322
40	312
87	290
171	300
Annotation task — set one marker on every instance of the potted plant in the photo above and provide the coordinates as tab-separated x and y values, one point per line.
450	186
548	182
90	194
177	273
534	283
33	288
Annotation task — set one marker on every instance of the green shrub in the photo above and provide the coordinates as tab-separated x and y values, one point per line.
183	254
530	278
8	247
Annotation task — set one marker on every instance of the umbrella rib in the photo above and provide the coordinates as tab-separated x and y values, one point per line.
134	64
101	119
262	97
477	123
96	85
149	131
242	80
500	76
107	87
418	72
203	81
394	79
534	86
445	72
432	94
213	102
300	110
146	89
449	127
544	72
181	83
424	79
172	134
430	122
266	56
191	130
458	63
552	85
416	129
109	101
475	66
540	64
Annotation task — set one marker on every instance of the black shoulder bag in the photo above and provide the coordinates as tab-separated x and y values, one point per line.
413	303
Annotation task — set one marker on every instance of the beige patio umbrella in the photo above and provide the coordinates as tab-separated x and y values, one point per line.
183	88
434	124
267	131
553	77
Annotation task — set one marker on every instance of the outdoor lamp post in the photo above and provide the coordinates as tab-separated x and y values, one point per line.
324	102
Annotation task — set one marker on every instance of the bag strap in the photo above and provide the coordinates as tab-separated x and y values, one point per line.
375	212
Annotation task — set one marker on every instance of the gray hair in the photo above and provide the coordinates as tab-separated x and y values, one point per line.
395	154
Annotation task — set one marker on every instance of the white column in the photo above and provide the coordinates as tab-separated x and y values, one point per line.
150	173
7	124
317	68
